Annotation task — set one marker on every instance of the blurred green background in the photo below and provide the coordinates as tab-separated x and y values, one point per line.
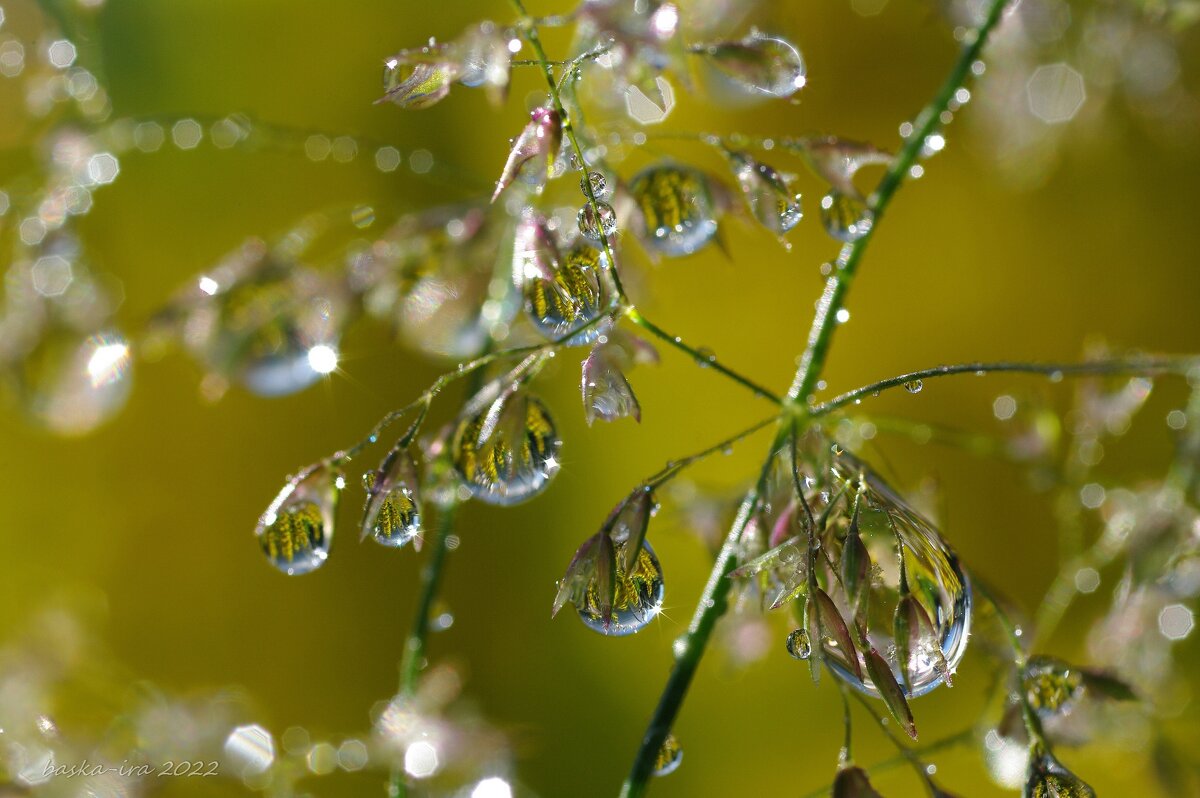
152	515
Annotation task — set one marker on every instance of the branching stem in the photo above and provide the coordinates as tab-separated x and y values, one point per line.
1135	365
713	600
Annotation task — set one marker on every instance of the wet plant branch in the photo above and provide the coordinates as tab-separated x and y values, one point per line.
703	359
414	646
950	741
927	122
1147	366
713	600
529	29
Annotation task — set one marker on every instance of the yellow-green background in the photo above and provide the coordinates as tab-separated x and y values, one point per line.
155	511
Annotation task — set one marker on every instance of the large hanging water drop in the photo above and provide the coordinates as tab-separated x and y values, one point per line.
916	604
677	209
636	601
570	299
508	451
297	528
392	516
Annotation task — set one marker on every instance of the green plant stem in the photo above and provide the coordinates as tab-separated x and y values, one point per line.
1033	726
909	755
950	741
418	634
691	645
704	359
1181	478
713	600
673	468
927	122
529	29
1134	366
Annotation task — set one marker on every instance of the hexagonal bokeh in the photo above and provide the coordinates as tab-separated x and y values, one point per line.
1056	93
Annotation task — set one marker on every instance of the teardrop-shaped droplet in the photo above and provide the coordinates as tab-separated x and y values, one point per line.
508	451
297	528
759	65
597	222
908	561
1048	778
669	756
606	391
845	218
677	208
71	384
914	386
598	184
570	299
771	201
392	516
798	644
636	601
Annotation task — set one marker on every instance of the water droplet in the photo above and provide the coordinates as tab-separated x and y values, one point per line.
72	384
759	65
598	222
264	320
507	452
845	218
669	756
914	386
599	185
297	528
798	644
677	209
636	601
1049	779
917	588
570	299
392	516
1051	685
771	200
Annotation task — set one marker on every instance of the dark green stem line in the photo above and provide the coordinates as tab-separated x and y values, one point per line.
702	358
414	647
928	121
951	741
713	601
687	658
1147	366
529	29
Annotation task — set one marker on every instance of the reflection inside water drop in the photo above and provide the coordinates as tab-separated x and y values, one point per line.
636	602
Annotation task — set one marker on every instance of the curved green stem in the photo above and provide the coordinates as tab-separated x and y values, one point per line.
1135	366
414	646
713	601
704	359
950	741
